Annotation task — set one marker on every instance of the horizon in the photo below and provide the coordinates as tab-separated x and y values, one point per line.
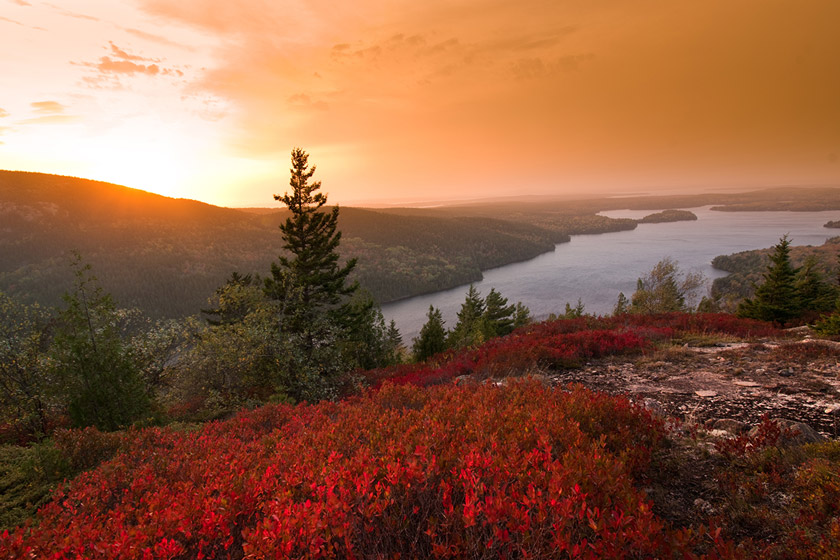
406	103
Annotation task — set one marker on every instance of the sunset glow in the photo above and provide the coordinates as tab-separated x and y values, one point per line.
409	101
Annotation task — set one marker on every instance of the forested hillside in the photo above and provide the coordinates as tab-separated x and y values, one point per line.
167	256
746	268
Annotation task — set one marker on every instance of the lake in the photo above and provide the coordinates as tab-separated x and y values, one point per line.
595	268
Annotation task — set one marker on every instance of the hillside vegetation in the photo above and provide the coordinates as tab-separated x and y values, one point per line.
747	267
167	256
425	468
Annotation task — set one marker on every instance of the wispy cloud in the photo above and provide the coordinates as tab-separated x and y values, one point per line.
3	113
48	112
69	13
48	107
119	62
9	20
21	2
145	35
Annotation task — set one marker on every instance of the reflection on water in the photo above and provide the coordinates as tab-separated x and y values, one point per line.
595	268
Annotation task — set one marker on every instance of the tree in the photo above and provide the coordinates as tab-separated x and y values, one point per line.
233	301
311	237
498	315
665	289
776	299
24	382
314	311
622	306
370	343
469	329
101	381
432	339
815	294
521	315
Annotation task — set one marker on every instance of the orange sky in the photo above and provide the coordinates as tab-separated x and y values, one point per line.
408	100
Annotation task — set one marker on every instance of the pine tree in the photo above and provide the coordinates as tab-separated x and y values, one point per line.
776	299
468	329
521	315
622	306
432	337
310	235
498	315
815	294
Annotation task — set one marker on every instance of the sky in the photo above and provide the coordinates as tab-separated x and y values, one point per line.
405	101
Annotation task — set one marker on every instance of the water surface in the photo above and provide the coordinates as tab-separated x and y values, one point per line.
595	268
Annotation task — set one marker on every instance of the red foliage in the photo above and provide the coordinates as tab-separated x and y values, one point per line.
445	472
564	343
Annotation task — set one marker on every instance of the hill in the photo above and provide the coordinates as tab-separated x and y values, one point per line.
167	256
461	458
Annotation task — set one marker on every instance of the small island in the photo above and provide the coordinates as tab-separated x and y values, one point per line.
833	224
668	216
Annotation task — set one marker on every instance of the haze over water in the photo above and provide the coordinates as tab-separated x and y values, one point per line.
595	268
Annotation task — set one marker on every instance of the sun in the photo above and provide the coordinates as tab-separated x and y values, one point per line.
158	164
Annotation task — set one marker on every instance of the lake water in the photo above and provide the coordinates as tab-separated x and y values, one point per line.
595	268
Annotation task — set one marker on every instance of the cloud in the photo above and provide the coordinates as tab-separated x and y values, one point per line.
48	112
307	102
155	38
537	69
119	62
11	21
489	87
21	2
48	107
50	119
3	113
68	13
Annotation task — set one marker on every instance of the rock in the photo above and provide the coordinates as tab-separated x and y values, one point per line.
786	372
746	384
730	425
705	393
655	407
804	330
704	506
799	432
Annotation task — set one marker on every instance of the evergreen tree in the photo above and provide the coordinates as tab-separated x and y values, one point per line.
498	315
470	326
815	294
521	315
394	344
311	238
232	302
101	381
432	339
573	312
622	306
311	290
776	299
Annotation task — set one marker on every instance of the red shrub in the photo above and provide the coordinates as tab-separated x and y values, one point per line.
447	472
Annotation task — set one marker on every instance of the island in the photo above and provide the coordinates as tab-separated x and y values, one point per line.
668	216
